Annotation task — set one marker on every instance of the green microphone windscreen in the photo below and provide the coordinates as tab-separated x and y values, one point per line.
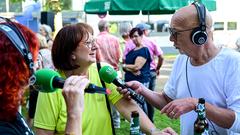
45	79
107	74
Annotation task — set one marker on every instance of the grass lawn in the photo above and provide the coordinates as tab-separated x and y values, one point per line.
161	121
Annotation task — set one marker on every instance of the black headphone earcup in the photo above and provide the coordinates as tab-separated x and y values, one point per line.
198	36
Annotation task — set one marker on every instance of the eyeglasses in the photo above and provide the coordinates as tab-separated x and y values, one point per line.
90	43
173	32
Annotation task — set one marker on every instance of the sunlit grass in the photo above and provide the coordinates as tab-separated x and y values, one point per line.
161	121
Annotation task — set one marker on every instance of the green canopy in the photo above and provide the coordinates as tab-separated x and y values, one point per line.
146	6
97	6
133	7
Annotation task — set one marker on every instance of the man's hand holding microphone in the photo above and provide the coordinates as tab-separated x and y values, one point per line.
130	90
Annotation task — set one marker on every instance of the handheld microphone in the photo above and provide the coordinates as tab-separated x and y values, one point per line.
49	80
109	75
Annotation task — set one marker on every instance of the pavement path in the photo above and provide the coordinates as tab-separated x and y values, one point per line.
165	71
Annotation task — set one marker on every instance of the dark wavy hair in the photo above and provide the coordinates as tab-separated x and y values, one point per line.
14	73
66	41
133	30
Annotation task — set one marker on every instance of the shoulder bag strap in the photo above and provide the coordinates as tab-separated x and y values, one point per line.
107	102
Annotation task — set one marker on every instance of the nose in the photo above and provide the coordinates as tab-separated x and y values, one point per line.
171	38
94	46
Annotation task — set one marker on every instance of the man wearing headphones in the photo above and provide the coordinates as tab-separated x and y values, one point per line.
202	70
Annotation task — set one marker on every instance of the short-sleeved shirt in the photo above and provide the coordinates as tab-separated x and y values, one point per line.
51	109
109	47
217	81
145	70
151	45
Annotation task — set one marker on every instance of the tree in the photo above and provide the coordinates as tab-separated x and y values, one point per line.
53	5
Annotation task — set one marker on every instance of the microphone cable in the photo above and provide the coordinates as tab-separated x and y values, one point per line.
214	130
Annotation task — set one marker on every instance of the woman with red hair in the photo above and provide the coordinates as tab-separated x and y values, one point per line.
16	71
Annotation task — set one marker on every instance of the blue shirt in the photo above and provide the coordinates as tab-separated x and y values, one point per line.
145	70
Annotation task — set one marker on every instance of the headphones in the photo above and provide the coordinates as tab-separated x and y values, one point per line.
16	37
199	34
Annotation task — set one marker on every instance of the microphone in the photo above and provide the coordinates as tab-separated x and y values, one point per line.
109	75
48	80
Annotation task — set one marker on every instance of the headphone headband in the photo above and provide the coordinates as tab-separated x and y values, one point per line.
19	42
201	11
199	34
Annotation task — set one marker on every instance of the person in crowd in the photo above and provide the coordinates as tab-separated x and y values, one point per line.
155	51
137	63
124	30
46	31
74	53
45	58
201	71
109	49
18	42
109	46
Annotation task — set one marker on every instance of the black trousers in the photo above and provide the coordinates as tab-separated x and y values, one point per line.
32	102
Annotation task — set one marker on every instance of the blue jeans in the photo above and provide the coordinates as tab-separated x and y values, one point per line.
144	105
152	84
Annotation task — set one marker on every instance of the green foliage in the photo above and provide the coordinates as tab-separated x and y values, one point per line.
57	6
67	4
14	1
53	5
15	6
19	0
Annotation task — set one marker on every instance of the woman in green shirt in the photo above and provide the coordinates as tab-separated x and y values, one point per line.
74	53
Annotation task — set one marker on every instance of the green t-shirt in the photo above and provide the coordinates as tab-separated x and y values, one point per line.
51	109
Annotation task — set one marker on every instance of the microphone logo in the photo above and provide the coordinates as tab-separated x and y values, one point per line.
109	71
109	75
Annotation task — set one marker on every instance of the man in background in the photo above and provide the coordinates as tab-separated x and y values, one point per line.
109	48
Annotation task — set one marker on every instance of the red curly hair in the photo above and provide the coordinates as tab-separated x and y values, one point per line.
14	72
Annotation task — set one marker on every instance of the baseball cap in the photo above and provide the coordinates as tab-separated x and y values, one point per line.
143	26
